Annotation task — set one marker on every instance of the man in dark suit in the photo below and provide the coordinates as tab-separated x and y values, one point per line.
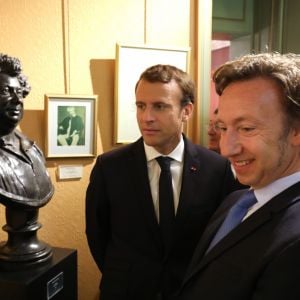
259	121
122	203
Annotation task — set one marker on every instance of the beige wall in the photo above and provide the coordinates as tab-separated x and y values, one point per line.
69	47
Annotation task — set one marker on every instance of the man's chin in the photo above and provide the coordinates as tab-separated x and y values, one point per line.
149	140
9	125
150	144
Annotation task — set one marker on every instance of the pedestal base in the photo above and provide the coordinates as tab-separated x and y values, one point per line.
23	249
57	280
13	261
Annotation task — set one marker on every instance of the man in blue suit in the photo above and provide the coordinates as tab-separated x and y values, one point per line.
259	121
122	202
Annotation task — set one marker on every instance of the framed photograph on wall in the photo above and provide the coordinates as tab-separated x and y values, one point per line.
70	126
131	61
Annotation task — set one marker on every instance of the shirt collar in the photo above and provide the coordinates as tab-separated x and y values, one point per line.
176	154
9	140
276	187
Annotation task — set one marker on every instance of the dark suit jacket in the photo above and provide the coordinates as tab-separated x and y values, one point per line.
258	260
122	229
76	124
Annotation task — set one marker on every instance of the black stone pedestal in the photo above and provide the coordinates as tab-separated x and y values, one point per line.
57	280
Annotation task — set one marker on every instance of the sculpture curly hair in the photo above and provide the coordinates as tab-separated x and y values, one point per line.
12	66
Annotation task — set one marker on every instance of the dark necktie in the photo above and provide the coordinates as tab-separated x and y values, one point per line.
166	201
234	216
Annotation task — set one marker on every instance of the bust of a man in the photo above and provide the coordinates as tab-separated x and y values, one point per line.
24	178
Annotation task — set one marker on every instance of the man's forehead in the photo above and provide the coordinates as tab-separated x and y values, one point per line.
8	80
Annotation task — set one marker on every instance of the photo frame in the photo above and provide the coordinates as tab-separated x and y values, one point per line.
131	61
70	126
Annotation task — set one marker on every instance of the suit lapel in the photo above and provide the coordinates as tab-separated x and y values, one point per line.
261	216
208	234
189	189
190	182
143	195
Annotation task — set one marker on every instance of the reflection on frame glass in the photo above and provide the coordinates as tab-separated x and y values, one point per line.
71	126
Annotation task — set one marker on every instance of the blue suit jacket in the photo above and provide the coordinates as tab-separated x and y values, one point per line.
258	260
122	229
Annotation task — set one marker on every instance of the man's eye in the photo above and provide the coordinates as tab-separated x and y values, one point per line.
140	106
219	128
246	130
9	91
160	106
4	91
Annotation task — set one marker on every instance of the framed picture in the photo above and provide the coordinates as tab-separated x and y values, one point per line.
131	61
70	126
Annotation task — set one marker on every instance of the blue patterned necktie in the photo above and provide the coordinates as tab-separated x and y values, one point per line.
166	201
234	217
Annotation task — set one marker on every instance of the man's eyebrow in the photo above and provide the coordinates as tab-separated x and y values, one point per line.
237	120
151	103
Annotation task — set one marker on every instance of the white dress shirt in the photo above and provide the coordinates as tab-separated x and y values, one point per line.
268	192
154	173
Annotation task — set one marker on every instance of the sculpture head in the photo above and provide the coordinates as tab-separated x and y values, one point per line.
14	87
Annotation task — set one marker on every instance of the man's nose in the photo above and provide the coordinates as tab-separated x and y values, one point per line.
230	144
211	129
16	95
147	114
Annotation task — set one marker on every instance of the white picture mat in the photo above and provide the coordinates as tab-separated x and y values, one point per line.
131	62
53	149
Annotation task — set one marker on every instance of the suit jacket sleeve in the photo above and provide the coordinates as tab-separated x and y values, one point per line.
280	280
97	215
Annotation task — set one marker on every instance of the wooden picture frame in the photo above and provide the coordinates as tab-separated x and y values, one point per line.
131	61
66	136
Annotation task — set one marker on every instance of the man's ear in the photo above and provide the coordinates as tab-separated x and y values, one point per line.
295	136
187	111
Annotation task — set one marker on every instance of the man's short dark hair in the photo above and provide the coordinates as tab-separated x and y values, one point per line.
166	73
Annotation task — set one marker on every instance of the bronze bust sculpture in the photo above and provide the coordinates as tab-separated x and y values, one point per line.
25	185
